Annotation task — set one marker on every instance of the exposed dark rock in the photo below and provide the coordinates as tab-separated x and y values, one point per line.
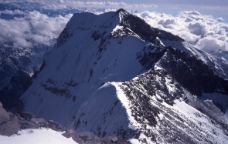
10	95
192	73
64	36
144	30
96	35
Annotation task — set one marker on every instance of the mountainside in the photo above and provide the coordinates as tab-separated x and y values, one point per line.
25	128
17	66
113	74
27	33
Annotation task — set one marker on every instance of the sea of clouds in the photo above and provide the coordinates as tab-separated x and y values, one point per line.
24	26
203	31
26	29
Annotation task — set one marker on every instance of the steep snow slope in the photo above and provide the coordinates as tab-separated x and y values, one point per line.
83	64
112	74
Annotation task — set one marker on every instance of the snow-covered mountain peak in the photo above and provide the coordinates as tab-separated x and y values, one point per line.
106	23
113	74
98	24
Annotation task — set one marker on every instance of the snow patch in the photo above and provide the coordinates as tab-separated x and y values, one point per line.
169	84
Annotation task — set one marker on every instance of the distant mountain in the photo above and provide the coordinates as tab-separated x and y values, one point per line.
114	75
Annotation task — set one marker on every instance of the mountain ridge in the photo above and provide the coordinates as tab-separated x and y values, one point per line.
113	74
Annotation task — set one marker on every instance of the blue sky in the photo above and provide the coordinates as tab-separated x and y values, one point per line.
217	8
194	2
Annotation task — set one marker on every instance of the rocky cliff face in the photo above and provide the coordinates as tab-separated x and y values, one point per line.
113	74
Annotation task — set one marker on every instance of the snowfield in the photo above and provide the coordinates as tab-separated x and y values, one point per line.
37	136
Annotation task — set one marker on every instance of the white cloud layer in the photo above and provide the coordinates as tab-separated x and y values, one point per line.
33	28
28	35
204	32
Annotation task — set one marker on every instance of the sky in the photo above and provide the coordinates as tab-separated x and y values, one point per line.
217	8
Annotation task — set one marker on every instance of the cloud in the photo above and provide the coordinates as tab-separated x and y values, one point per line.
167	23
25	36
212	44
34	28
197	28
203	31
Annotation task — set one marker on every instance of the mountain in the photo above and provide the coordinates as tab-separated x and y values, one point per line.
24	128
37	136
17	66
114	75
11	123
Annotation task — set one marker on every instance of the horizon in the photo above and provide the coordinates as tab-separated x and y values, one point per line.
217	9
